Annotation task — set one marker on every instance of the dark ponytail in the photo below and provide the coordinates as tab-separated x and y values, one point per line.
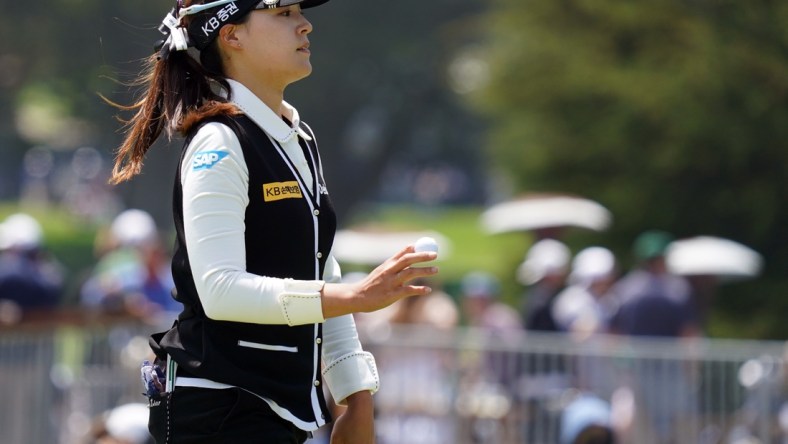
178	93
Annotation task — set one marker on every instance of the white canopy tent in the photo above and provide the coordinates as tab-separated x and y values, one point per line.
546	211
708	255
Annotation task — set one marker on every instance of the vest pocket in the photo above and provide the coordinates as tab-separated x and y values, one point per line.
259	346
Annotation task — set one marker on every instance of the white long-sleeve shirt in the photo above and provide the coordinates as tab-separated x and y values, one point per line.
215	196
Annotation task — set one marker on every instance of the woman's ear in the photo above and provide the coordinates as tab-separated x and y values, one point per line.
229	36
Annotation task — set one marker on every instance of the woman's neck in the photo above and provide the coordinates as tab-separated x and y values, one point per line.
271	95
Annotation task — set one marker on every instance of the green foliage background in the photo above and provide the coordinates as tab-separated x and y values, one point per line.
672	114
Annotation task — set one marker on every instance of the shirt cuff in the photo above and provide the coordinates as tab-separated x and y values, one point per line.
301	302
350	374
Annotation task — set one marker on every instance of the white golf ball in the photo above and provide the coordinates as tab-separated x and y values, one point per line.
426	244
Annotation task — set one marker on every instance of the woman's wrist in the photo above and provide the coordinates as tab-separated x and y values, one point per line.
336	299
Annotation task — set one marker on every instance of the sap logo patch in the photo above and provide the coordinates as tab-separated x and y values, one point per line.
207	159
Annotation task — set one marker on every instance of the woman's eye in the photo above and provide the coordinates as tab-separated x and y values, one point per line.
286	13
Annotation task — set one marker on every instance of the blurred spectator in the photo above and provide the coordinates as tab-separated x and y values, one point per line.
584	306
587	420
415	401
436	310
543	273
124	424
31	281
480	305
651	301
133	271
584	309
29	278
488	376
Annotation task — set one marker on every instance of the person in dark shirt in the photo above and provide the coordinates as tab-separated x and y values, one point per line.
655	303
30	280
651	301
543	272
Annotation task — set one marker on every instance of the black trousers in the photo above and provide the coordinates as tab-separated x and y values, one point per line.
190	415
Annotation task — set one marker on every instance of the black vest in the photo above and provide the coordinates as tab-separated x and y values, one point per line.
286	237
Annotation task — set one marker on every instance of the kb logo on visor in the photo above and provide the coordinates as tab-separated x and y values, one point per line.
218	20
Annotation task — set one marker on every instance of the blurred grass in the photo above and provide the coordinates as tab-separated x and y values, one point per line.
71	239
472	249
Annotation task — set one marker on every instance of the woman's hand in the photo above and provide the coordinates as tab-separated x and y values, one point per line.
388	283
356	425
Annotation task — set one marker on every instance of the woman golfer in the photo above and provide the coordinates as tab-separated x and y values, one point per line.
265	322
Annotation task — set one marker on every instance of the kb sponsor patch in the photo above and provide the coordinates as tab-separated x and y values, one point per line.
281	190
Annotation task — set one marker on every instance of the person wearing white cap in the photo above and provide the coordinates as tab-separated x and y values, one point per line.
543	272
134	228
124	424
30	279
587	420
132	274
266	320
20	232
581	306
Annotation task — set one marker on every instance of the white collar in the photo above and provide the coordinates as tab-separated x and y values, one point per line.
264	116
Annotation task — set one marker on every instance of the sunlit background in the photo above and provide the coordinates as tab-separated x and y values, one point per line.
669	115
672	116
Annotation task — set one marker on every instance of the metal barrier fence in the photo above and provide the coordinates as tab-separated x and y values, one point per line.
439	386
472	386
58	379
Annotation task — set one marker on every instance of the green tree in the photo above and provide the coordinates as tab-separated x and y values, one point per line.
672	114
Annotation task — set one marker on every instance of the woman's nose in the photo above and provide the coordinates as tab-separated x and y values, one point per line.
306	27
